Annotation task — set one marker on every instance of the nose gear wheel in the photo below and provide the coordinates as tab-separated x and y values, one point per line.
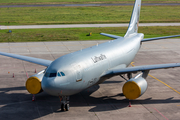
64	103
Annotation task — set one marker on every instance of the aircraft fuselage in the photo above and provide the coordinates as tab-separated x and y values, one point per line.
77	71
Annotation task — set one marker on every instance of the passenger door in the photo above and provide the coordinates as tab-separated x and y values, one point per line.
78	69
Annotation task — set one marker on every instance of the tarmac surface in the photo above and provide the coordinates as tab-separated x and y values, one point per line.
2	27
161	101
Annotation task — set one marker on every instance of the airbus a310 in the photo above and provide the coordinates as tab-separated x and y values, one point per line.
74	72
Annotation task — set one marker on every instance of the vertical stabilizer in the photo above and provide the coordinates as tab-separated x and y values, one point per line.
134	22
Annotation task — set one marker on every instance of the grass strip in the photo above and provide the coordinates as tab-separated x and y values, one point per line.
15	2
80	15
76	34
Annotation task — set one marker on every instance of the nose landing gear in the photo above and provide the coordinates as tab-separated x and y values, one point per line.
64	103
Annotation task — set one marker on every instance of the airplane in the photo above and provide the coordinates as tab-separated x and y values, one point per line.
77	71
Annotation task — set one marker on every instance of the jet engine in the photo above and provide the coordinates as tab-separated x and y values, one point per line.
134	88
33	83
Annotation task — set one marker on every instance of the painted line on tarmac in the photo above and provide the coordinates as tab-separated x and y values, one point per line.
148	108
164	84
161	114
159	80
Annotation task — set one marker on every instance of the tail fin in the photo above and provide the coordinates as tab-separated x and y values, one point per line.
134	22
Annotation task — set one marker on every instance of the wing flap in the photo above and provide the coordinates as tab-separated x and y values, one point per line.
38	61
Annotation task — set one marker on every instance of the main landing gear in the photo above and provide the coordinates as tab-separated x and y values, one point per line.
64	103
129	76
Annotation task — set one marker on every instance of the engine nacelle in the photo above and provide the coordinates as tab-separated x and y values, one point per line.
134	88
33	83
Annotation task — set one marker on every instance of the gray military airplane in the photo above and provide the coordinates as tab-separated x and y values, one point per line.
74	72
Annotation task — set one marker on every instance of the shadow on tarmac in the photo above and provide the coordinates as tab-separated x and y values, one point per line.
16	103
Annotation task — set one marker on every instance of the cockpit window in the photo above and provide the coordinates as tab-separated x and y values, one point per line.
46	74
61	74
50	74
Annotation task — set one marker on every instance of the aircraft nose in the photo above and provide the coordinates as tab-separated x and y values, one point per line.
48	85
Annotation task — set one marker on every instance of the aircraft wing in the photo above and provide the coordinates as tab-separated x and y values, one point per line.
38	61
158	38
113	72
111	36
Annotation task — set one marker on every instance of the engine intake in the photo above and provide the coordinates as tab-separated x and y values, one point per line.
134	88
33	83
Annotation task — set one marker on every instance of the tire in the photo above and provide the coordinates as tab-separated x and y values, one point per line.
62	107
67	107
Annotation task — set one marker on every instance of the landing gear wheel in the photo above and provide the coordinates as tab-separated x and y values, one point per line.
64	103
67	107
62	107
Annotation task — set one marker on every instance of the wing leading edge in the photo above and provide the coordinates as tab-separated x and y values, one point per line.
38	61
158	38
111	36
113	72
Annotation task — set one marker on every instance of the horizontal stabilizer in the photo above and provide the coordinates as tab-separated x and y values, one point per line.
158	38
111	36
38	61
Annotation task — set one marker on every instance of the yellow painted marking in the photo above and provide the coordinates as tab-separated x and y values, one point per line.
132	64
164	83
178	105
160	81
